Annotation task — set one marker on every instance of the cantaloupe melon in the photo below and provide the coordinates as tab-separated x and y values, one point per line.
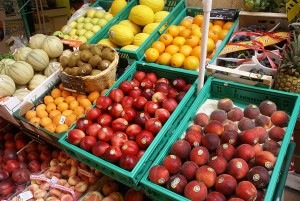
4	65
21	72
134	27
36	41
38	59
121	35
22	53
141	15
36	81
51	68
53	46
21	93
155	5
7	86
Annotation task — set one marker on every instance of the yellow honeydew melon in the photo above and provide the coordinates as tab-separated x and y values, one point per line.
139	39
121	35
149	28
141	15
160	15
117	6
108	42
134	27
155	5
130	47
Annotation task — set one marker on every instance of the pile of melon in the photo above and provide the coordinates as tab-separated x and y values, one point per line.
30	67
143	19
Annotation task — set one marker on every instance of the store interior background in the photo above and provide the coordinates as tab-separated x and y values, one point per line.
53	14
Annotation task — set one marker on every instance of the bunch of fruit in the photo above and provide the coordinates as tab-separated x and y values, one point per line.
143	19
60	109
179	46
226	154
123	124
88	60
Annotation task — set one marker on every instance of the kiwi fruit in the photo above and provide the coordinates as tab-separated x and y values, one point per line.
72	61
85	69
104	64
79	62
96	71
106	49
108	55
68	70
64	61
74	71
96	50
84	46
94	60
85	55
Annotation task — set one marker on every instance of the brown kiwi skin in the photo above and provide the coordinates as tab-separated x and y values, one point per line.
85	55
85	69
72	61
68	70
106	49
64	61
104	64
79	63
74	71
84	46
94	60
108	55
96	50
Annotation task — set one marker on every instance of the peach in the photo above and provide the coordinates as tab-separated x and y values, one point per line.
251	111
55	168
39	194
263	121
257	148
261	133
260	195
181	148
280	118
63	156
276	133
267	107
271	146
40	199
177	183
201	119
117	196
245	124
218	163
73	171
81	186
93	195
188	170
245	151
259	177
211	141
109	187
66	197
65	170
172	163
207	175
226	150
230	136
218	115
246	190
73	180
265	159
215	196
193	138
235	114
62	182
225	104
215	127
226	184
52	199
238	168
54	162
33	187
55	192
230	125
195	190
158	174
45	186
199	155
195	127
55	153
249	137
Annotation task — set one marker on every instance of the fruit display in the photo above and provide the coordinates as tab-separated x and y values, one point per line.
86	22
30	66
224	148
59	109
142	20
180	45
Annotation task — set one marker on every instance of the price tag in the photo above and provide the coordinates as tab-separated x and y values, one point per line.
62	120
24	196
85	173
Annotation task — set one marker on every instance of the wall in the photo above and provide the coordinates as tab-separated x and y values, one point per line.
217	3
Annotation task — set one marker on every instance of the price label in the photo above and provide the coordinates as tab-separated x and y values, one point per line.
24	196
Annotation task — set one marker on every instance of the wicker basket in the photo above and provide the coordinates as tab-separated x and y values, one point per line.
90	83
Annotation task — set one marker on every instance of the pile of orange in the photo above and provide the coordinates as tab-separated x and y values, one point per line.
60	109
180	45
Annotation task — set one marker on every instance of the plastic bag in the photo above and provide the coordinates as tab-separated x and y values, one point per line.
17	42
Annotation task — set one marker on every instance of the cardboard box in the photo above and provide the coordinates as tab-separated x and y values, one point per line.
9	105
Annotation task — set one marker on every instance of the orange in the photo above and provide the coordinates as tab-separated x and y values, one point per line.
185	50
60	86
151	54
219	22
166	39
71	119
186	23
185	33
172	49
61	128
198	19
197	32
65	93
55	93
196	51
210	25
53	113
160	46
173	30
69	99
40	107
192	41
62	106
164	59
73	104
35	121
210	45
180	27
79	111
48	99
67	112
50	107
216	28
86	103
30	114
228	25
213	35
223	34
80	96
194	26
93	96
179	41
59	100
58	119
50	127
75	94
191	63
177	60
45	121
41	113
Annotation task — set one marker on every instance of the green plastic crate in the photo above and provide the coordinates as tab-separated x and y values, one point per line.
132	178
173	6
106	5
188	12
241	95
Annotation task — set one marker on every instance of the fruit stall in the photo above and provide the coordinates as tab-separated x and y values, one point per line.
145	100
